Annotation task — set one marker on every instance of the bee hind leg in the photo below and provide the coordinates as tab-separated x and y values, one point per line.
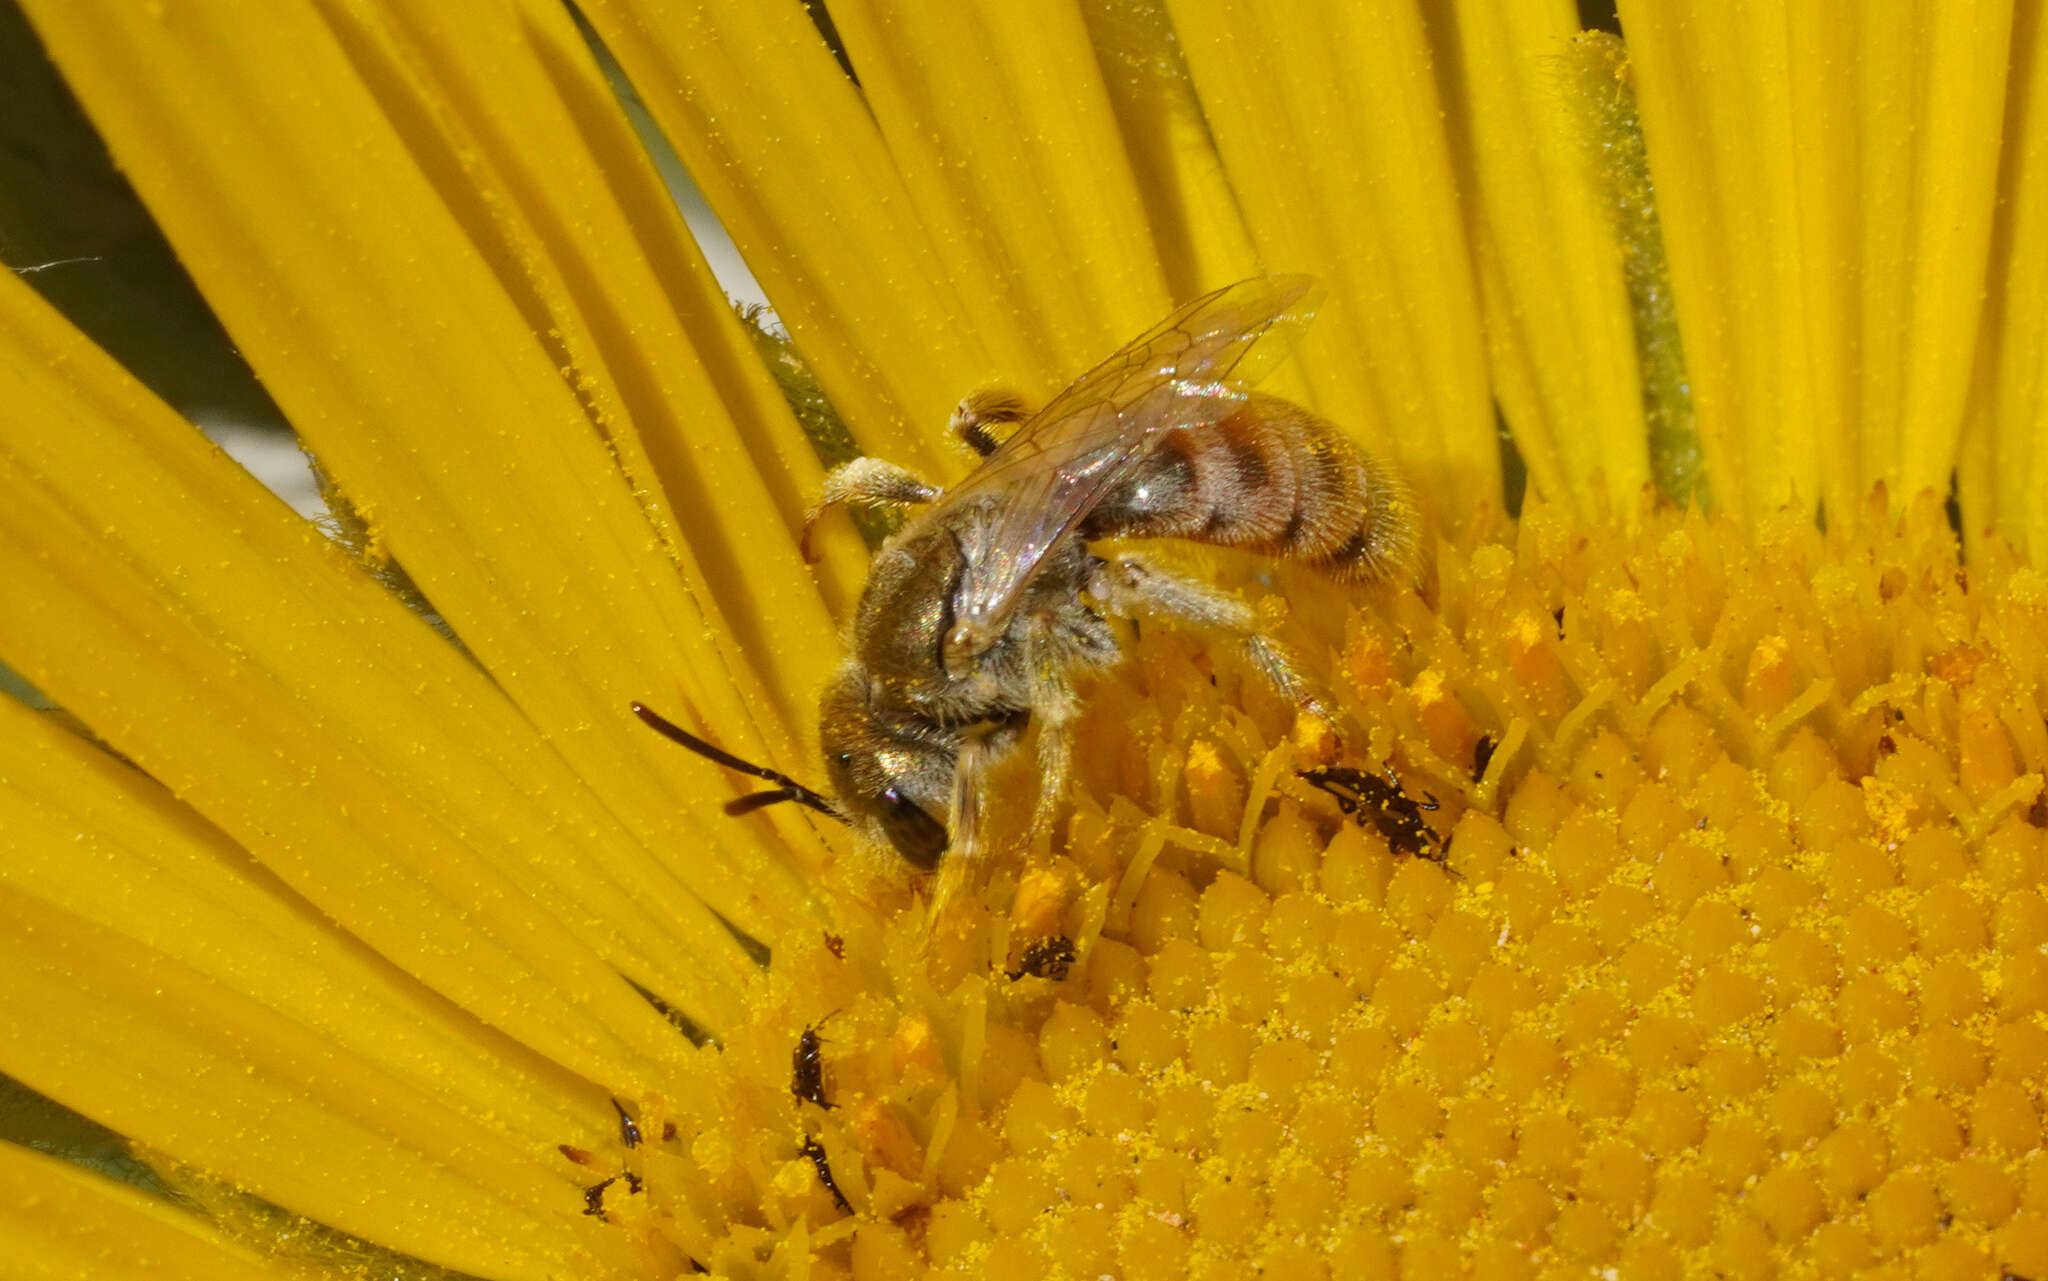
980	410
1132	587
867	482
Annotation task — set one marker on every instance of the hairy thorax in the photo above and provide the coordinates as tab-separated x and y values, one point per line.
909	606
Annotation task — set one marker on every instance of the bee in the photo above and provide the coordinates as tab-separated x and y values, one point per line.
985	613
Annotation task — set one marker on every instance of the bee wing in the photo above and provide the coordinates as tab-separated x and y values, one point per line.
1070	455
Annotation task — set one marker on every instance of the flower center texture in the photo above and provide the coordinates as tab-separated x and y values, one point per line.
1681	914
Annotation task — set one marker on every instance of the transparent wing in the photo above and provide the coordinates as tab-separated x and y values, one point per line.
1070	455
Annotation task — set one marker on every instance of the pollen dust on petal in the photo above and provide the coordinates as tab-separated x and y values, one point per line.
1741	969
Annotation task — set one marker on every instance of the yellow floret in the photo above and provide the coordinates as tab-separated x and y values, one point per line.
1733	963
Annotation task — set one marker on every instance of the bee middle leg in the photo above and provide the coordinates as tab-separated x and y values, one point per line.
1132	587
1055	715
867	482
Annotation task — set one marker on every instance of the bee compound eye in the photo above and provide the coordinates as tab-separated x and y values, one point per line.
917	836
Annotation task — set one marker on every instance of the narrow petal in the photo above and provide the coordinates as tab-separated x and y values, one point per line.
1196	225
365	760
463	443
1331	131
1826	185
1930	107
58	1222
512	120
1557	310
2008	469
95	837
1594	75
789	158
184	1066
1031	185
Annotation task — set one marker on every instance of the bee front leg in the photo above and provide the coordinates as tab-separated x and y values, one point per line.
1132	587
867	482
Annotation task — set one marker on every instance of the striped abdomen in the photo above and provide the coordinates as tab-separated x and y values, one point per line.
1271	478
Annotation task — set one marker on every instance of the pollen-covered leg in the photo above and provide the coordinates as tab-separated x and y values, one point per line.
867	482
970	775
961	868
1055	758
1133	588
980	410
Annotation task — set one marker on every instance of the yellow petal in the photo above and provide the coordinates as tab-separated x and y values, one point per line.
514	124
59	1222
183	1065
460	438
1200	235
1929	105
1826	184
1028	195
1330	129
221	642
1557	310
789	158
92	836
2007	470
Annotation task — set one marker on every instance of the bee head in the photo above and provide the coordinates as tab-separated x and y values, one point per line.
893	777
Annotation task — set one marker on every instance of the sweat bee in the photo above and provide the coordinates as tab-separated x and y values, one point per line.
984	613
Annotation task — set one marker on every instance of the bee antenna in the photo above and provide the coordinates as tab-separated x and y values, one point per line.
759	801
790	789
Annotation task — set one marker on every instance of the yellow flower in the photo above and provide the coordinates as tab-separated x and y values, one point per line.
1668	897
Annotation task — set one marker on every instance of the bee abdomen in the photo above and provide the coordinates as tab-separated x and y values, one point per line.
1271	478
